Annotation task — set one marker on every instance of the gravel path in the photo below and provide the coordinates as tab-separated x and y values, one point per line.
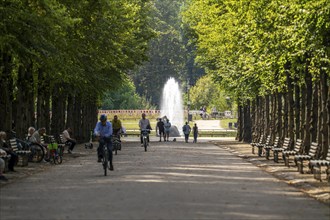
173	180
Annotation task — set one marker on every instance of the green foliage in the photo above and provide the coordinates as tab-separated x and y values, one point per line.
249	46
86	46
125	98
209	94
167	54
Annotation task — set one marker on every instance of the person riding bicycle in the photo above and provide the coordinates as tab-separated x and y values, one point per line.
103	132
144	124
116	126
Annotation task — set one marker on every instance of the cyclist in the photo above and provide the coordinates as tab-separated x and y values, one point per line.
116	125
103	132
144	124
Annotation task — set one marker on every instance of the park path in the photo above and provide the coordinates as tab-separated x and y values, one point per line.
173	180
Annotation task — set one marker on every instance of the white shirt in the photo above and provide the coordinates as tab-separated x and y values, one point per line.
66	135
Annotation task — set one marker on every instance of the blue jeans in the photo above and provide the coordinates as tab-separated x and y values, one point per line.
102	142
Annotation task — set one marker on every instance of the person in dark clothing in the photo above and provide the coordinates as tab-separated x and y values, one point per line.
4	146
195	131
161	130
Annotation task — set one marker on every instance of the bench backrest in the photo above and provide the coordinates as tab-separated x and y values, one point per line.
286	143
268	139
276	142
313	150
298	146
13	144
62	139
52	139
328	155
261	139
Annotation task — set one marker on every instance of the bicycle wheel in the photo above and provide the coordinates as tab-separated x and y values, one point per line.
37	153
145	144
105	161
60	154
53	157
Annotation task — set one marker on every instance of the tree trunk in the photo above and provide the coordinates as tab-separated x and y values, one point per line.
279	117
303	112
247	123
272	117
43	101
58	110
309	97
24	103
77	118
254	121
285	124
267	115
6	94
70	111
240	123
297	110
314	116
291	103
324	113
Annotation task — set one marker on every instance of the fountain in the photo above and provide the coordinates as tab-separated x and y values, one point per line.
172	107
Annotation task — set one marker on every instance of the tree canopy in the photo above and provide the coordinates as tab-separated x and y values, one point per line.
250	45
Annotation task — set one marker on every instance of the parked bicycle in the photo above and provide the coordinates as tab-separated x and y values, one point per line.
145	137
37	151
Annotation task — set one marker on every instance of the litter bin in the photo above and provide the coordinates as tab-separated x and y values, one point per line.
189	117
230	125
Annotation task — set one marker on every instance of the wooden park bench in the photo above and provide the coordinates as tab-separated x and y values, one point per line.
316	166
23	155
296	150
254	144
300	158
269	147
276	150
262	145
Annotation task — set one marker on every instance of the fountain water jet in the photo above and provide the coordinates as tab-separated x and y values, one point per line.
172	107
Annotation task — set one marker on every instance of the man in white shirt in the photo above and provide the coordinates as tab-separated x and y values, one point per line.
68	140
144	124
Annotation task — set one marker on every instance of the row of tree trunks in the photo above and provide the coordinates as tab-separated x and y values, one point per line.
33	99
6	93
301	112
24	102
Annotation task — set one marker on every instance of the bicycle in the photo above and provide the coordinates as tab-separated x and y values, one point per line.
116	143
37	151
56	151
105	159
145	137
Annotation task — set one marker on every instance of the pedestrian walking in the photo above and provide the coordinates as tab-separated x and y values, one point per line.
186	130
195	132
160	129
167	126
